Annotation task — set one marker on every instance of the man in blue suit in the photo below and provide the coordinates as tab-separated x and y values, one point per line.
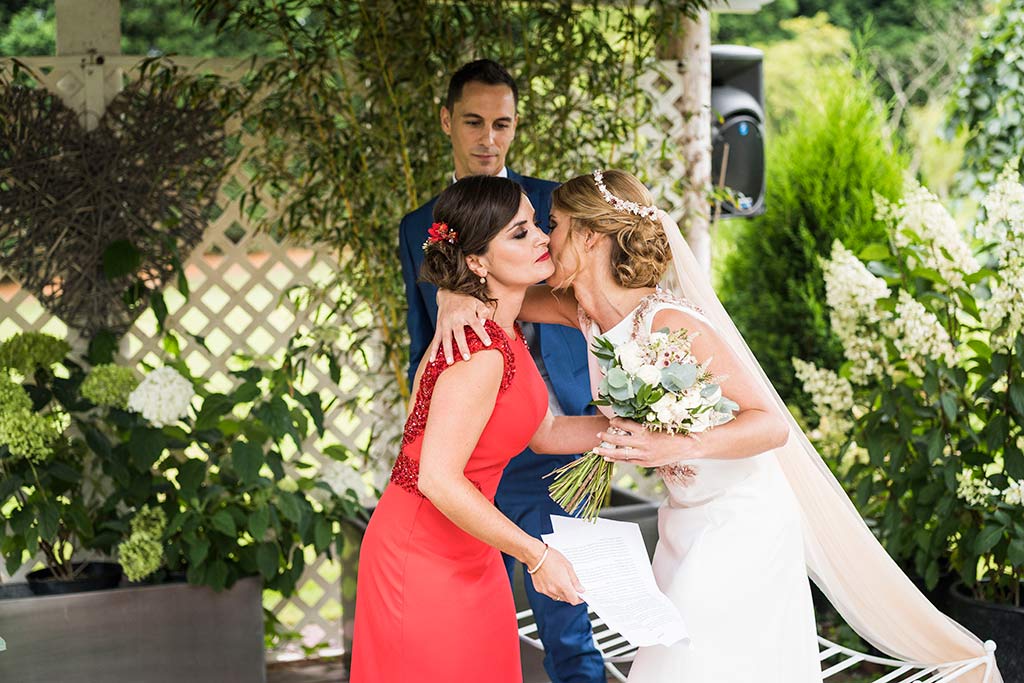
479	116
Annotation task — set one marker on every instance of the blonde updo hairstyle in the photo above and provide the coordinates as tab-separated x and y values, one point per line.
640	252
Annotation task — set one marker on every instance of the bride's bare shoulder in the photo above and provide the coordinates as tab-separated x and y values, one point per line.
681	317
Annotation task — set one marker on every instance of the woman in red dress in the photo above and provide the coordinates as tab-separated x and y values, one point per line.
434	603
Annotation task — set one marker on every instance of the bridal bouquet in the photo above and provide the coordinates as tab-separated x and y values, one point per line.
659	384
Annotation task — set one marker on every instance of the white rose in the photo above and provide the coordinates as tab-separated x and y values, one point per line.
163	397
631	357
690	398
648	374
663	408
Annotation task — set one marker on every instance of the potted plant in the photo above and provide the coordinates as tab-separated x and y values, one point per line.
929	406
162	474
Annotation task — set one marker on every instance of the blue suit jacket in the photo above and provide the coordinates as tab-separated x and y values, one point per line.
563	348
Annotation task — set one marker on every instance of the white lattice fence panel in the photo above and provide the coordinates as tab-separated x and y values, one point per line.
238	281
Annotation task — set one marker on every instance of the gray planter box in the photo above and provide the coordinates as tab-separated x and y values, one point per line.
158	634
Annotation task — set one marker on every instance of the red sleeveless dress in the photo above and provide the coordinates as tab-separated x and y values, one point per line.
433	603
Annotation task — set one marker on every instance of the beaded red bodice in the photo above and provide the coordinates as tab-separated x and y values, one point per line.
406	471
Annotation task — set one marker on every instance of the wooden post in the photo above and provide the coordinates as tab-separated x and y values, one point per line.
91	30
692	52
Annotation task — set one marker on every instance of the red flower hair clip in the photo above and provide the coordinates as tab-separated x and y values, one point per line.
440	232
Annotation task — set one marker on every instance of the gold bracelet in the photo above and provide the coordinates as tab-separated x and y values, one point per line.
542	558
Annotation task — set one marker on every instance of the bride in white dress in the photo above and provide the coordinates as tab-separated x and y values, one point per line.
751	510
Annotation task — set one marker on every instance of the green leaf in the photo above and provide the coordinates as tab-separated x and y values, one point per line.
1016	552
289	506
275	416
874	252
931	575
120	258
268	559
217	575
935	444
146	444
171	345
246	393
191	475
1013	461
321	535
988	538
102	348
312	403
97	441
948	405
1017	397
247	459
259	519
214	407
77	514
159	306
198	551
223	522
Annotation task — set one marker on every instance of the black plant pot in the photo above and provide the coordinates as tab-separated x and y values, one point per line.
1003	624
95	576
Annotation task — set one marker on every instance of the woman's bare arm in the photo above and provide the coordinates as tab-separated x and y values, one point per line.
461	405
565	434
456	311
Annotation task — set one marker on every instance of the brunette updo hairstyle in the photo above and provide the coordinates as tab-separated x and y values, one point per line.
477	208
640	251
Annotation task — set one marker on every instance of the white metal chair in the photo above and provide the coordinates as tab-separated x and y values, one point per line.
618	653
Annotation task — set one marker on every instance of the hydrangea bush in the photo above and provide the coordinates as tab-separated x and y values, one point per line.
161	473
925	419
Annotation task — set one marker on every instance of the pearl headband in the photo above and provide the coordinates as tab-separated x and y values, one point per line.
622	204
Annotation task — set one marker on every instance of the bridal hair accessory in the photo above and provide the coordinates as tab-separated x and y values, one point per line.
622	204
440	232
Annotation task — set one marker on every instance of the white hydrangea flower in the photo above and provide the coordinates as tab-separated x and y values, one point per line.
974	491
1006	305
1004	215
924	224
832	398
852	293
163	397
829	392
919	335
1014	493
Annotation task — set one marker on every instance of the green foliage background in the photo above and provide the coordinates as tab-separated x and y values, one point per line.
825	166
989	103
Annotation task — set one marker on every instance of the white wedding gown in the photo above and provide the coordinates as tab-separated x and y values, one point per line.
730	556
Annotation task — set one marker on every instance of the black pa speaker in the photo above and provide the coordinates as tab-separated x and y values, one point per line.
737	128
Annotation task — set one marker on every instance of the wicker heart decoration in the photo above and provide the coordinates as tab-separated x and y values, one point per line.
143	181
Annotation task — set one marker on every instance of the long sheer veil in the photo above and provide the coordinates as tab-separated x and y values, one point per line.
843	557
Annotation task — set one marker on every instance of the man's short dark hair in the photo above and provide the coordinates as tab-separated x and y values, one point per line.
486	71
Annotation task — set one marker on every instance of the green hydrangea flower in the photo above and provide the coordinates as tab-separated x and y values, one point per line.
27	351
28	434
109	385
12	396
140	556
151	522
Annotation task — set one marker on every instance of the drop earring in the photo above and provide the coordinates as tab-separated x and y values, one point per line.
483	279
